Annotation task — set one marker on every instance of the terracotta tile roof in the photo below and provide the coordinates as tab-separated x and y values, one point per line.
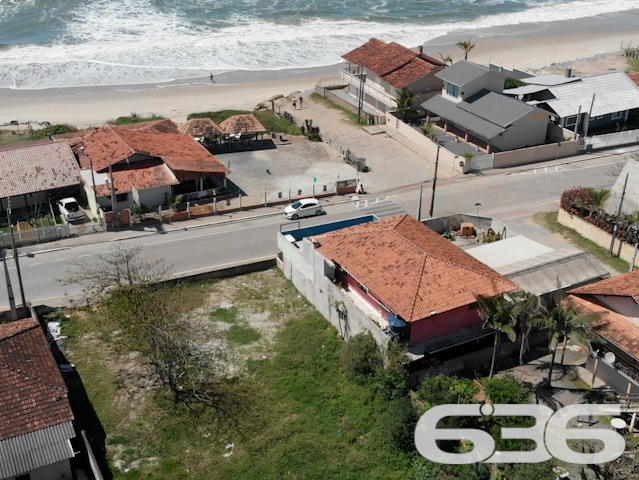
626	285
33	394
394	63
72	138
37	167
201	127
634	76
615	328
180	152
161	126
141	174
244	123
413	270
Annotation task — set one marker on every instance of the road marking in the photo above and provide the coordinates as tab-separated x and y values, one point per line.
218	248
34	264
61	259
545	203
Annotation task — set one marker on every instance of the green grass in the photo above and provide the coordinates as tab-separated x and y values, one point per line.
549	221
351	116
302	417
242	334
633	65
134	118
268	118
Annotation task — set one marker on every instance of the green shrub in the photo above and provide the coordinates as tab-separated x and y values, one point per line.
52	130
360	356
135	118
398	423
468	155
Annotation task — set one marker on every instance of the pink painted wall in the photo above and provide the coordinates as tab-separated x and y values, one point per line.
352	284
443	323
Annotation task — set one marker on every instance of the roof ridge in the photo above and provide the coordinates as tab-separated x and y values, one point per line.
121	139
418	285
34	377
26	329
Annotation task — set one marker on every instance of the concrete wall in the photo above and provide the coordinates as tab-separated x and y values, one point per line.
557	134
536	154
59	470
443	323
527	131
612	377
425	88
595	234
153	197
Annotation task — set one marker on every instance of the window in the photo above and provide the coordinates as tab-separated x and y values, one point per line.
362	287
121	197
616	115
570	121
452	89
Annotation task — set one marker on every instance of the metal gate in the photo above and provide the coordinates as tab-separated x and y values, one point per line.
481	162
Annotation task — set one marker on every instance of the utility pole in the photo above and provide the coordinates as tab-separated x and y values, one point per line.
589	116
16	260
12	301
577	123
419	205
432	198
614	230
112	196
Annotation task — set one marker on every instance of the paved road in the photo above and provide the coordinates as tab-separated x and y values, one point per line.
513	197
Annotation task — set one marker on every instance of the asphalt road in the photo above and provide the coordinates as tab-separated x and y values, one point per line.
512	197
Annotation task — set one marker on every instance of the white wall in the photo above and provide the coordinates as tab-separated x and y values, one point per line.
153	197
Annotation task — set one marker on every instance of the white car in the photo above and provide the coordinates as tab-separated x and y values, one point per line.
307	207
70	209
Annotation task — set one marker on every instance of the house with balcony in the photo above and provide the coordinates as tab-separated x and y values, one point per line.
377	71
615	303
582	104
143	166
36	421
471	105
391	277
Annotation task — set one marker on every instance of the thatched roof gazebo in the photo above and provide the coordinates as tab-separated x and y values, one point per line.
201	127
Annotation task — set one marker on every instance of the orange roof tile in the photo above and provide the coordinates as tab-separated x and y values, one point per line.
413	270
201	127
141	175
33	394
243	123
161	126
394	63
614	327
180	152
634	76
626	285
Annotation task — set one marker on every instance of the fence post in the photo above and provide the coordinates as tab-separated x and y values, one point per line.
289	194
265	204
240	201
215	205
37	234
159	213
188	210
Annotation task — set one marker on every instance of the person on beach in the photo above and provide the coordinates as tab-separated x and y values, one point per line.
300	102
212	79
294	104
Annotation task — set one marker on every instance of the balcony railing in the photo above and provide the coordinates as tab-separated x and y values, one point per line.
353	76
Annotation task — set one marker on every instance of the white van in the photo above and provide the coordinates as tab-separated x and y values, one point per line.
307	207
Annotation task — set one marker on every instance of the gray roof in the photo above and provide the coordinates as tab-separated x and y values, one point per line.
548	80
552	271
43	447
486	114
462	72
614	92
631	200
525	89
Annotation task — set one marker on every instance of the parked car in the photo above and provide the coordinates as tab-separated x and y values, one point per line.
70	209
307	207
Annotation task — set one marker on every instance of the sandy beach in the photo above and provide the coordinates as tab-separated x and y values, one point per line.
539	47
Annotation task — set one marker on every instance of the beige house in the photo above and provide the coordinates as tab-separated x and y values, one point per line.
380	70
471	104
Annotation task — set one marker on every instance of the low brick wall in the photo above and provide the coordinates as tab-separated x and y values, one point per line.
540	153
595	234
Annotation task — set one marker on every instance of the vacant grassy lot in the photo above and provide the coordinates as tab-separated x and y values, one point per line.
549	221
297	415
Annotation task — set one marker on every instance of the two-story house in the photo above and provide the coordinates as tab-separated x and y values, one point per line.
472	105
377	71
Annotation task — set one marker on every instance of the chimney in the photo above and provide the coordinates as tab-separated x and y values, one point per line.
568	72
421	49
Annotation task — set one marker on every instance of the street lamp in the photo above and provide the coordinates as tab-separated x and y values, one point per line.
478	205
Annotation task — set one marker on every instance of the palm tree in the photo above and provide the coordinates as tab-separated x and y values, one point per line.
404	101
564	321
428	129
466	46
527	310
446	58
174	201
497	314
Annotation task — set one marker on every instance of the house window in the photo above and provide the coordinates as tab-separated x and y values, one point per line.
570	121
342	314
452	89
616	115
362	287
121	197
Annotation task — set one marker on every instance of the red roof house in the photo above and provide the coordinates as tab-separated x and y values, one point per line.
36	421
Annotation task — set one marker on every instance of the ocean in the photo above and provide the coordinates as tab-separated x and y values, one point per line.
75	43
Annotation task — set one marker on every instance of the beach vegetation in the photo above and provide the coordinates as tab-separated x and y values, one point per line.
52	130
466	46
513	83
351	117
447	59
311	132
135	118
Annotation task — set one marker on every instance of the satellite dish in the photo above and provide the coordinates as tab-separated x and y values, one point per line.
610	358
